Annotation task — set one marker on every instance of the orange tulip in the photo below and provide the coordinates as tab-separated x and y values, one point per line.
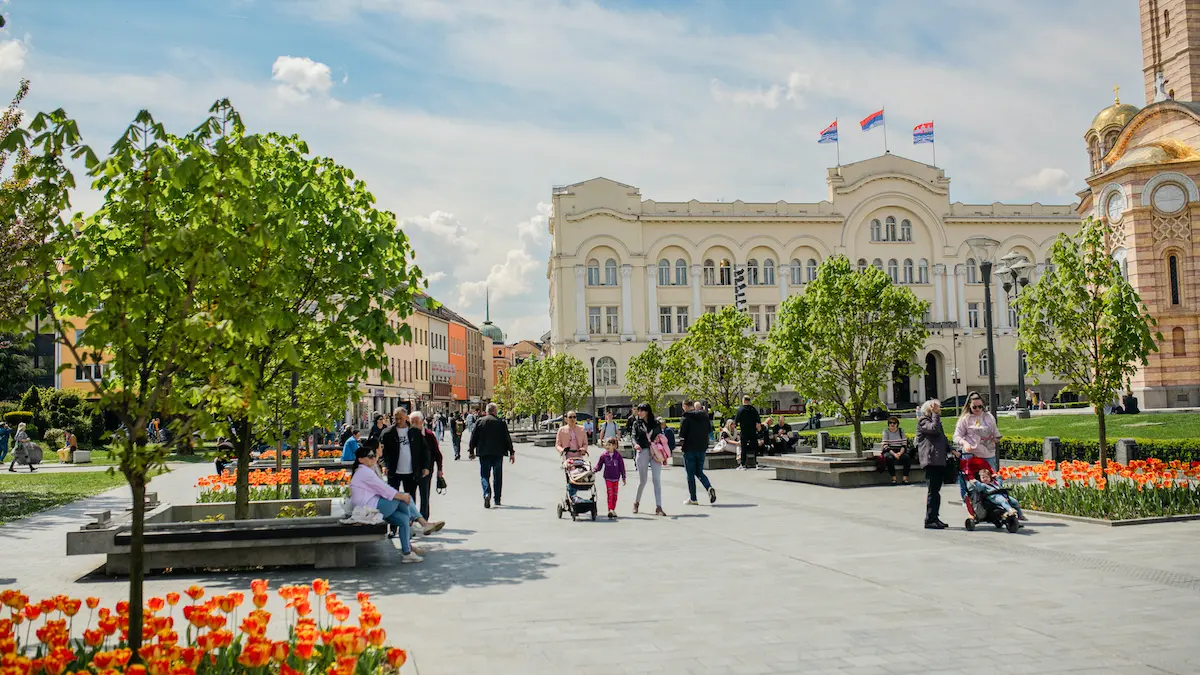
377	636
320	586
93	603
304	650
279	651
195	592
258	586
260	600
155	605
172	599
396	657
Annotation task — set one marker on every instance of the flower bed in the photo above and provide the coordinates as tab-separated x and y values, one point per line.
314	484
1141	489
41	637
287	454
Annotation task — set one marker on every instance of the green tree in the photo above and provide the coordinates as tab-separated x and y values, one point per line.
17	373
839	340
525	386
311	276
563	384
720	360
650	376
504	396
1083	323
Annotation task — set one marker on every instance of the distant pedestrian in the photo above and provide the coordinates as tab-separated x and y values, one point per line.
491	441
25	452
5	432
609	428
646	431
378	424
614	469
350	446
695	429
747	420
934	450
457	427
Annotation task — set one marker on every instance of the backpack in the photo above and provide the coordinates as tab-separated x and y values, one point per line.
659	451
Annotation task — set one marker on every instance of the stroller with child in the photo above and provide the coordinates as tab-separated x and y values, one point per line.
979	507
582	482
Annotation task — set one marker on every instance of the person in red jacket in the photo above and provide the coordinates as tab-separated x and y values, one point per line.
417	420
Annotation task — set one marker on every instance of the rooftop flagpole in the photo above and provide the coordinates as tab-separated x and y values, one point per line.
838	144
885	145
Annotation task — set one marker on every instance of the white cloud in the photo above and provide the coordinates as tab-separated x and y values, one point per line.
507	279
12	56
300	76
755	98
443	228
1047	179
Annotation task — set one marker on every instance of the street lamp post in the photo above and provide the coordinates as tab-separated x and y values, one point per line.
1013	273
592	351
983	248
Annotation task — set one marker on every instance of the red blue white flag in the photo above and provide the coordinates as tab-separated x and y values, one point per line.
873	120
923	133
829	135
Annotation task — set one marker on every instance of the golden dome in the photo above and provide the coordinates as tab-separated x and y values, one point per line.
1118	113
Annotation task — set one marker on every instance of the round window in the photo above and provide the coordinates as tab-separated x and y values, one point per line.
1169	198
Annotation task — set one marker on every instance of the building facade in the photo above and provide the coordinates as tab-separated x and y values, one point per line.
626	270
457	348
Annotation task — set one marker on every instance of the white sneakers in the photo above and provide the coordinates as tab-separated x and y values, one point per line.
410	557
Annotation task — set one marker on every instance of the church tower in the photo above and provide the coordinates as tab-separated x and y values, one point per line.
1171	46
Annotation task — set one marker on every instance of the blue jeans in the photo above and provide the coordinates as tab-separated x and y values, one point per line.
491	475
401	515
457	445
3	452
693	464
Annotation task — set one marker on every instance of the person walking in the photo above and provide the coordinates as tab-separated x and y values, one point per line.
5	432
490	441
609	428
695	429
24	452
614	469
747	420
405	454
457	427
425	483
645	429
933	448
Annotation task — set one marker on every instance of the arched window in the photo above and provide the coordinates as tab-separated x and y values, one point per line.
905	230
862	264
1178	341
710	273
752	272
983	363
812	269
1094	154
891	228
610	272
876	230
923	271
593	273
664	272
1110	140
726	273
768	272
894	271
1173	278
972	271
797	272
877	264
681	271
908	271
606	371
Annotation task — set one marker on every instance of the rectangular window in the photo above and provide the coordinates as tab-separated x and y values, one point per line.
593	276
89	372
681	320
612	321
710	309
664	320
593	320
973	314
756	314
770	317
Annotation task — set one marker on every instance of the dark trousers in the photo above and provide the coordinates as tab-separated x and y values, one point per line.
423	486
405	482
933	500
693	464
457	445
905	462
748	450
491	475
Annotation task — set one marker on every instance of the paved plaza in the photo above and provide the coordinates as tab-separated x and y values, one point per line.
777	578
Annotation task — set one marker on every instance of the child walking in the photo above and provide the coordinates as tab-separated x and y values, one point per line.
614	468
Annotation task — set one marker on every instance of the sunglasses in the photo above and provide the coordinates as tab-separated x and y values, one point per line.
570	417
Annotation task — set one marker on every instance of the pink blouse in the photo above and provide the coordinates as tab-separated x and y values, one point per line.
366	488
979	432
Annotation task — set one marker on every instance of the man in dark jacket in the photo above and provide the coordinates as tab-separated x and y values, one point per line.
695	428
747	420
405	454
490	441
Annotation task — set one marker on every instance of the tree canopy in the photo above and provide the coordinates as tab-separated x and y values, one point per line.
650	376
563	384
720	360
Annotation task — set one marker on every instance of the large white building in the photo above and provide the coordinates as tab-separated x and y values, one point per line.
626	270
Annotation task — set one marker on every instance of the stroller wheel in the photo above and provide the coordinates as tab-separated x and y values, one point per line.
999	524
593	515
970	524
559	508
1012	524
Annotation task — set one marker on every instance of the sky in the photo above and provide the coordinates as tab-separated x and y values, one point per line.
462	114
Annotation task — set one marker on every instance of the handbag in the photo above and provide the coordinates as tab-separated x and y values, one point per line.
441	485
659	450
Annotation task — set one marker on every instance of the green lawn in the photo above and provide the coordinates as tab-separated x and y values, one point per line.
25	494
1079	427
103	458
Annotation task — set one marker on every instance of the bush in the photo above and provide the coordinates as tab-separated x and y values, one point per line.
61	409
18	417
8	406
55	438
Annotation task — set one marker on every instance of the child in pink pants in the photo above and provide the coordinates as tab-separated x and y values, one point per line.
614	469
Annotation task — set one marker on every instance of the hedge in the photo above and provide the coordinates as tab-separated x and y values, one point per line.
18	417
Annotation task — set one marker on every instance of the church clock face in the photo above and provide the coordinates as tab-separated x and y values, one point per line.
1115	207
1169	198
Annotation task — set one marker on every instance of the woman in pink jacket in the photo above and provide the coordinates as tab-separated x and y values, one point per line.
976	435
571	443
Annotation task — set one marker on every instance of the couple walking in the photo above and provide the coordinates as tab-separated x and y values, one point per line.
694	429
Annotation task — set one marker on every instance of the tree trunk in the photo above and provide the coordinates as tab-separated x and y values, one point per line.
1103	437
858	439
137	551
241	500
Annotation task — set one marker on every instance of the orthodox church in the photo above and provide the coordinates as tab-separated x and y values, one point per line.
1144	167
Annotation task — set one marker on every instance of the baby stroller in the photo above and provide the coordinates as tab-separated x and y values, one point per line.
579	476
979	507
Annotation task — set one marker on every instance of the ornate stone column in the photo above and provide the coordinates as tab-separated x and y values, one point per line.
627	303
696	308
960	279
581	328
652	331
952	294
784	278
939	302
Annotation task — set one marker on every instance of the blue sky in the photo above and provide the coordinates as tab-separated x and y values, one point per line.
462	114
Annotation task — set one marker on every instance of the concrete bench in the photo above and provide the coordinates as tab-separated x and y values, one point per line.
840	470
712	460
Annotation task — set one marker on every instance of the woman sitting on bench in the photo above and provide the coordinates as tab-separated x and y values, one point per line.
895	449
368	489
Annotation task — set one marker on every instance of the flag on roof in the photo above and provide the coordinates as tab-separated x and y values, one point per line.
923	133
829	135
873	120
